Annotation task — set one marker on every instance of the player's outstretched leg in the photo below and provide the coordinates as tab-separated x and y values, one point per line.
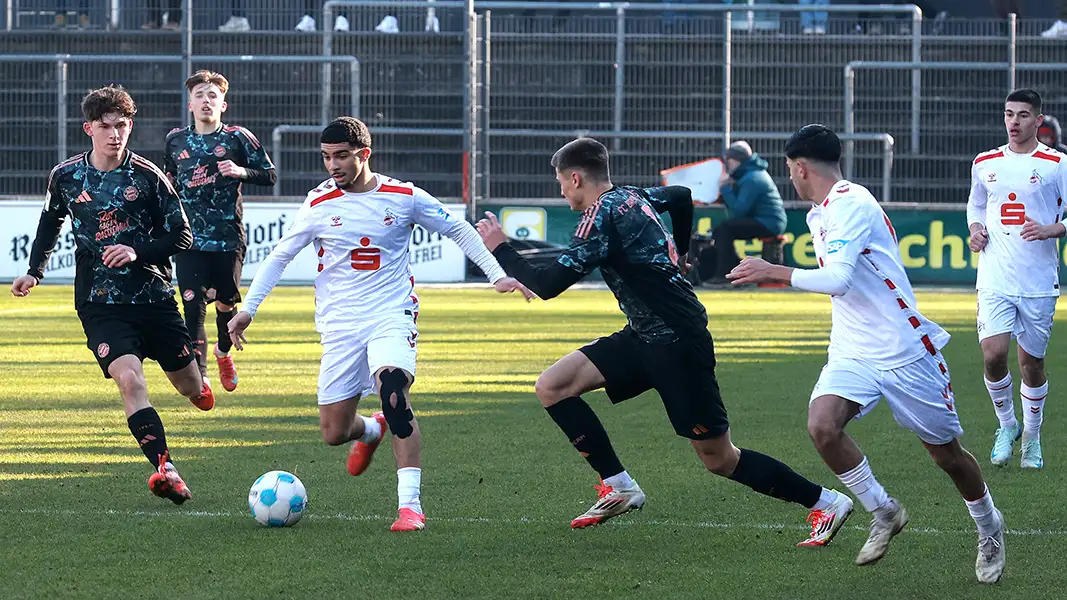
999	385
961	466
227	370
771	477
194	308
559	389
147	428
394	388
827	417
189	383
1033	391
340	424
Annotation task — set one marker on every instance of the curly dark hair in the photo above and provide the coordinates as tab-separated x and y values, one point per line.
346	130
108	99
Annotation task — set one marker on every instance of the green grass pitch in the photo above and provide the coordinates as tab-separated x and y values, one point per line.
500	481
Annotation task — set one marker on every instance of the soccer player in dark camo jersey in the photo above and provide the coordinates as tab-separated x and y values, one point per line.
208	163
127	222
665	346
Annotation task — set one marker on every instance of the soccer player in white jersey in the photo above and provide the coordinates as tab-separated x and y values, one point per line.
1014	213
880	346
365	303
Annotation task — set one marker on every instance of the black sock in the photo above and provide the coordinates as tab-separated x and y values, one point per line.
147	429
222	320
774	478
195	313
584	430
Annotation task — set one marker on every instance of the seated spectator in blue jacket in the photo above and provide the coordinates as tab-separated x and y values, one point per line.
755	206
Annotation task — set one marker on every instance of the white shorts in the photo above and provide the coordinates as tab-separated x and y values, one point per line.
1028	320
350	360
919	394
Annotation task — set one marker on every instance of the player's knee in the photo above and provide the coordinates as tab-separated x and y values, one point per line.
1032	370
549	389
131	383
719	463
823	433
995	361
392	389
222	307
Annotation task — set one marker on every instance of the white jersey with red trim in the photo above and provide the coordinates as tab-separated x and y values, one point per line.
876	320
1007	187
362	242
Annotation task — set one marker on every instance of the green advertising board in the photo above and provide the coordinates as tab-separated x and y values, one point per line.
933	244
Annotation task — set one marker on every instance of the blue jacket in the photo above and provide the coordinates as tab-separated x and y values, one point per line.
754	195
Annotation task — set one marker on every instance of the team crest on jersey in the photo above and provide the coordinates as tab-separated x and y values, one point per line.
188	295
1035	177
835	246
335	221
130	194
390	218
219	151
103	350
991	178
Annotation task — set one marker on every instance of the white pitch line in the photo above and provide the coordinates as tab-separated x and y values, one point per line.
199	514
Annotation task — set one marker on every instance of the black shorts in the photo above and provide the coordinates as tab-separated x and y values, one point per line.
210	276
154	331
683	373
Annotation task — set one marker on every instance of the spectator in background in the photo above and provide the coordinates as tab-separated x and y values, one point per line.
814	22
238	20
1059	28
1006	7
307	22
63	11
156	8
755	206
1051	134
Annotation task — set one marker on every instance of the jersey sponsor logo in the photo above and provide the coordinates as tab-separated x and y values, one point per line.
200	177
103	350
130	193
835	245
219	151
443	213
110	226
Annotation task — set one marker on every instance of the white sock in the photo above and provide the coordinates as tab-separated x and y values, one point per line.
372	430
984	514
826	498
861	482
1000	393
408	484
1033	410
219	353
622	481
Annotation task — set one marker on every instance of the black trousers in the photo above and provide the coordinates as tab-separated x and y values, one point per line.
724	235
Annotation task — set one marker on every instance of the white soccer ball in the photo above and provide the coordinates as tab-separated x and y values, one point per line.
277	499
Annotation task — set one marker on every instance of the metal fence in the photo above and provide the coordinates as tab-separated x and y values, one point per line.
662	83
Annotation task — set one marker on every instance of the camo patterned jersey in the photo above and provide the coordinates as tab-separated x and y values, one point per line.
134	205
212	201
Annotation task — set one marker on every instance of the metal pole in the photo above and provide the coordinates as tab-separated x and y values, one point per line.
485	106
9	15
472	112
916	76
850	116
187	54
327	70
727	67
115	13
61	109
1013	32
354	75
620	69
887	167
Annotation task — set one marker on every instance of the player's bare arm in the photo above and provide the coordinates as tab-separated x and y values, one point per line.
1035	232
757	270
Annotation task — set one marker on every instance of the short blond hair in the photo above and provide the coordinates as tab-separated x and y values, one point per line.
205	76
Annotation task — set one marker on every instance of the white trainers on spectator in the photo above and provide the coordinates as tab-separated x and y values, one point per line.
236	24
388	25
307	23
341	23
1058	29
433	24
